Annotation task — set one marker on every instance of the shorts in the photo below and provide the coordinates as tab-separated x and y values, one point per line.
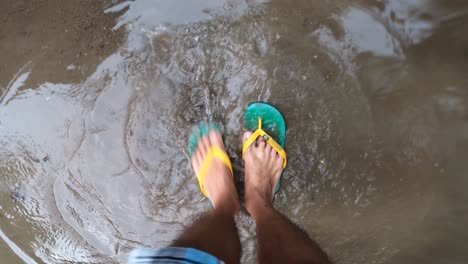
171	255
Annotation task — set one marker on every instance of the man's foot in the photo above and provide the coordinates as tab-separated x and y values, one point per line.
263	168
219	182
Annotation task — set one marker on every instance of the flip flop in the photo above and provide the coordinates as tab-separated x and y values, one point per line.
267	122
198	132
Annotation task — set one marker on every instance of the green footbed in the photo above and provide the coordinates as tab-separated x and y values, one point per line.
273	123
199	131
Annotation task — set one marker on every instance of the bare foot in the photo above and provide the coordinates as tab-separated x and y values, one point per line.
263	168
219	182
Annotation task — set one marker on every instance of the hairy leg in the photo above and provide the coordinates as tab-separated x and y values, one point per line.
215	232
279	240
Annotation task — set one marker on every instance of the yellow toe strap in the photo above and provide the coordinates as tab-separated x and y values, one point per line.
261	133
213	152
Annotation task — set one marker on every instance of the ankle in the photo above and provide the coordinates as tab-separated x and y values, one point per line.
257	204
229	204
229	209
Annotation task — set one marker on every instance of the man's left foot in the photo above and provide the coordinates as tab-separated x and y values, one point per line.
263	168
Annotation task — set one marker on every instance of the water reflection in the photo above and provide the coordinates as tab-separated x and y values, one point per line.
94	169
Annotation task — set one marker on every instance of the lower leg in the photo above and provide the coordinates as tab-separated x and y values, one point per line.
215	232
279	240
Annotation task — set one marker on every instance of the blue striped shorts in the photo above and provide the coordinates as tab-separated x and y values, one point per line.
171	255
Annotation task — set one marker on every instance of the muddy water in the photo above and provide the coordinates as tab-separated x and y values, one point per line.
93	164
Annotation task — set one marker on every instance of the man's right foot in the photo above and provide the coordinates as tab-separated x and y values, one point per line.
218	182
263	168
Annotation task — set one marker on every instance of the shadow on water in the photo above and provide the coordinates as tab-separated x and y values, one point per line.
374	97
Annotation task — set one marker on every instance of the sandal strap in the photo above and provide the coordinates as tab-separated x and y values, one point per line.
261	133
213	152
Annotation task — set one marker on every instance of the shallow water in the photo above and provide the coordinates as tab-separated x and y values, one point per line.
373	92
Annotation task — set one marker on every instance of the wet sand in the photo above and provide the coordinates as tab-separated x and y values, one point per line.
98	99
8	256
55	38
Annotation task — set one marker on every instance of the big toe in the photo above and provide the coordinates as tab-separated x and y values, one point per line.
216	139
246	136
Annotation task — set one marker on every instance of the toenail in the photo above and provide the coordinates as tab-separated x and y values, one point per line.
257	142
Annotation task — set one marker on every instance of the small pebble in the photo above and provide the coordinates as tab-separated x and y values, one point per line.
227	6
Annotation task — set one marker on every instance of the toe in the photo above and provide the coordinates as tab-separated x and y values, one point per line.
196	160
204	145
268	148
216	139
273	152
246	136
261	143
280	160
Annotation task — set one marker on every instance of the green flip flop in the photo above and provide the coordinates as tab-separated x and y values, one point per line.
266	121
198	132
